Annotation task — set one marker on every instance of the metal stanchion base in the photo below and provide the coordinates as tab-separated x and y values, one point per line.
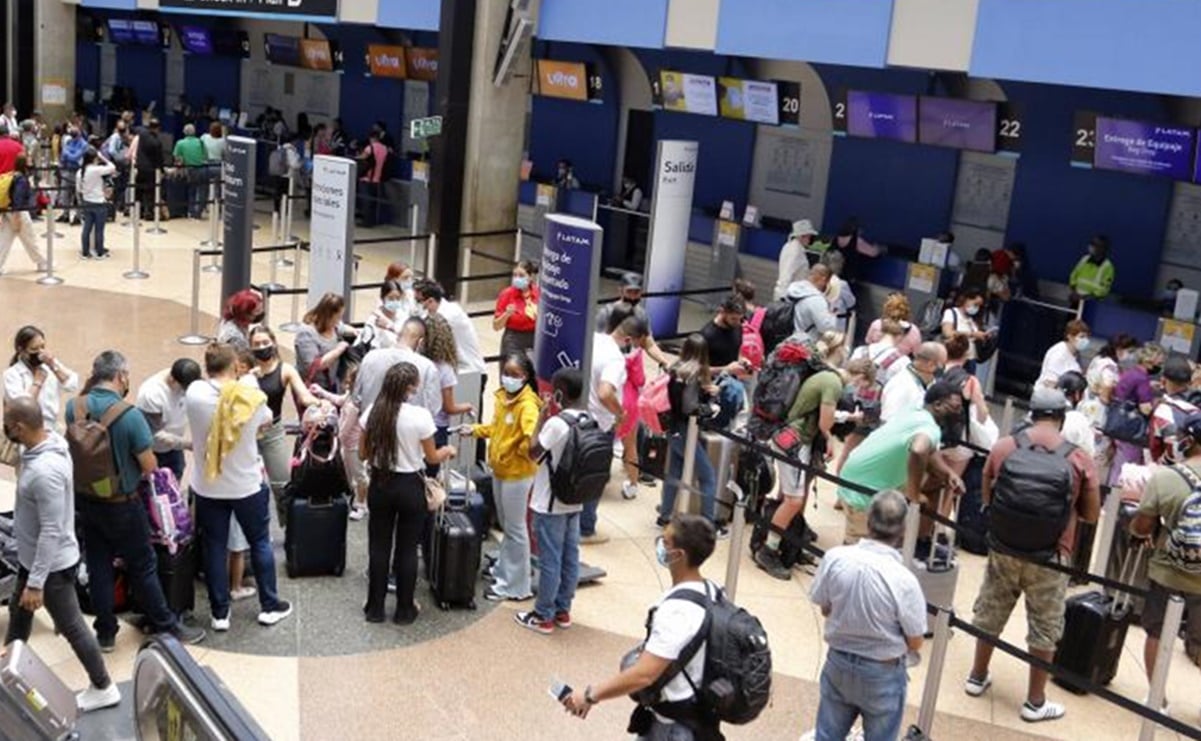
135	274
156	230
274	287
207	243
50	280
291	327
193	339
57	235
284	262
211	268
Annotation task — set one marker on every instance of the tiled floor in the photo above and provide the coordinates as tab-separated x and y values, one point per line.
487	678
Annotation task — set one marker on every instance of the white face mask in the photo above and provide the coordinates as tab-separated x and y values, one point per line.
1080	343
972	310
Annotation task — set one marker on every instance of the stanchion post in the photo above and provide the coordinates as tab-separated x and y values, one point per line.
211	241
852	322
158	200
1163	662
691	440
283	260
934	666
267	291
273	283
293	325
414	215
214	239
463	284
136	272
131	195
194	337
50	279
1007	416
517	245
51	230
737	526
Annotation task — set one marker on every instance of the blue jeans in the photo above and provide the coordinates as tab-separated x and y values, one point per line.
705	477
112	531
197	178
172	460
253	514
94	217
558	562
854	686
588	518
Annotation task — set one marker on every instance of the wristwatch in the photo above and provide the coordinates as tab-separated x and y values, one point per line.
588	698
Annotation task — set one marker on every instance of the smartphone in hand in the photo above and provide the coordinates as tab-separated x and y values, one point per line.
559	691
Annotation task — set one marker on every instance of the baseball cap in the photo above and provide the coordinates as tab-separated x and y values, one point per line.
1177	368
803	228
1048	400
940	391
631	281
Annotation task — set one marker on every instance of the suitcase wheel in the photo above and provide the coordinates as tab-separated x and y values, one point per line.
291	571
339	569
472	606
444	606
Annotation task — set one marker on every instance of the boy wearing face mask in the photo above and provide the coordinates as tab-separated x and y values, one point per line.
1064	356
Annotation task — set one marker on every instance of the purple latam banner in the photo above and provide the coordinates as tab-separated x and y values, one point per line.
959	124
882	116
1144	148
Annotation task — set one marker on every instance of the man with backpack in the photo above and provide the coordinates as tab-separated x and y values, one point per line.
112	448
696	641
1172	409
1173	498
803	313
1037	487
556	523
875	617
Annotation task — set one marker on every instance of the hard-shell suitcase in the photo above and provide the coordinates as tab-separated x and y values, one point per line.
454	555
1123	544
938	574
315	538
177	573
1094	631
35	705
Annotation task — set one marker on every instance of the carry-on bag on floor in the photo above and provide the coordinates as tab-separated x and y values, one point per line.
938	574
1094	632
315	539
1123	544
8	558
177	573
35	705
456	549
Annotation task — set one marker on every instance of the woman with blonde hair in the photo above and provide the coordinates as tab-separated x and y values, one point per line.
896	307
439	347
322	341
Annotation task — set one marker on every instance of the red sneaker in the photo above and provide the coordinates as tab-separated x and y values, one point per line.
563	620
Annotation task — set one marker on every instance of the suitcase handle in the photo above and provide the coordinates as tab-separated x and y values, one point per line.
1130	567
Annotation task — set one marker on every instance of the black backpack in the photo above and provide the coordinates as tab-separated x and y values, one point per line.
1032	499
779	323
582	471
736	683
777	387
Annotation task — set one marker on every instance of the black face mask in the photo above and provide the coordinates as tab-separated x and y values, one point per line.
33	360
264	353
1155	370
633	301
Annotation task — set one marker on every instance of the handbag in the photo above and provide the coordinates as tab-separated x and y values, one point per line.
10	452
787	440
1125	422
435	493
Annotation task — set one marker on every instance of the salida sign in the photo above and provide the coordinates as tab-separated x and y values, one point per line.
311	8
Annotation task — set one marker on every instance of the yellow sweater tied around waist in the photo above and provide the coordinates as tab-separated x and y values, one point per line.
236	406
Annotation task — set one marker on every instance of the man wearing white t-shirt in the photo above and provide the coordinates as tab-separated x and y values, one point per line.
686	543
606	380
431	296
377	363
907	390
230	479
162	399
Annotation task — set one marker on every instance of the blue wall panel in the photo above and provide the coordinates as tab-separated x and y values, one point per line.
87	66
635	23
111	4
143	68
853	32
411	14
1146	45
364	100
1056	208
219	77
727	148
585	133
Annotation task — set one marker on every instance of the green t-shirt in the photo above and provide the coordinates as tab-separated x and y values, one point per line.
1163	499
190	151
882	460
821	389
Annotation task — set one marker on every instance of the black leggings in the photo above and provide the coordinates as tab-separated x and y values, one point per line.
396	502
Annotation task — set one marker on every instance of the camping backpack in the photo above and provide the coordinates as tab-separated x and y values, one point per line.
753	348
582	471
736	682
95	467
654	404
778	323
1032	501
170	520
1182	548
779	382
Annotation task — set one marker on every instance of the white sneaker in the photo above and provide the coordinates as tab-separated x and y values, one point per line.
221	625
242	593
358	512
98	699
281	611
629	490
1047	711
976	687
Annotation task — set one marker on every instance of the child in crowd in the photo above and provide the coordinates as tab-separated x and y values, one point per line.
514	418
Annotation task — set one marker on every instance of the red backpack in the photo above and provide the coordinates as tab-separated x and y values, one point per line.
753	348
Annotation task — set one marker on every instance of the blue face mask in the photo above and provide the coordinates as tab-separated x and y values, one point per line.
521	282
661	553
407	285
512	384
394	306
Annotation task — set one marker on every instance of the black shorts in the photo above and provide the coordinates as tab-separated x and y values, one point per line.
1156	605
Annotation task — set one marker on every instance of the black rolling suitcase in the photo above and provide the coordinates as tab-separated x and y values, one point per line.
1095	625
177	573
315	539
457	544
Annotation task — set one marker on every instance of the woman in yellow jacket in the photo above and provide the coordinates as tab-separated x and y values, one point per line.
514	416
